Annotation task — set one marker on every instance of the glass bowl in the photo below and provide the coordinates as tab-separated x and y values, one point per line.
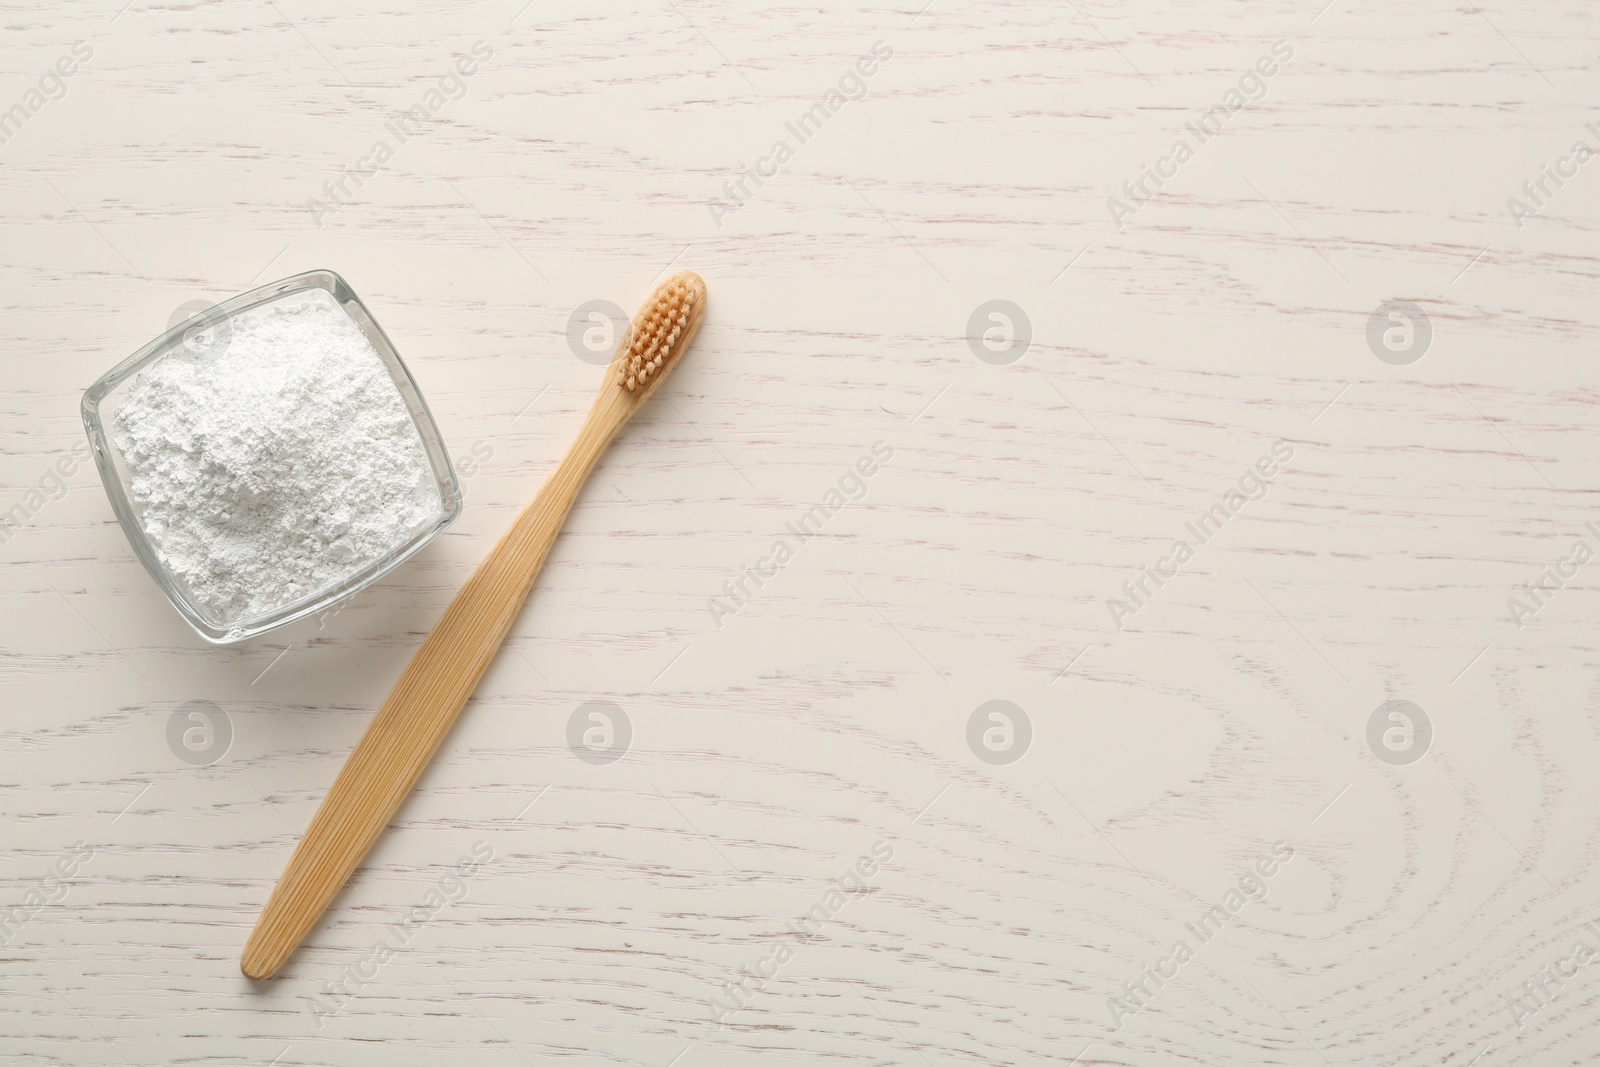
192	338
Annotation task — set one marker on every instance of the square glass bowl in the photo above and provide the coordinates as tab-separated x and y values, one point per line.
190	340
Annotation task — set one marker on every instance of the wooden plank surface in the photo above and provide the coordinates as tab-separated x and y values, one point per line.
1012	909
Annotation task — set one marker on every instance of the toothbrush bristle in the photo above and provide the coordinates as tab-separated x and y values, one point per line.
660	330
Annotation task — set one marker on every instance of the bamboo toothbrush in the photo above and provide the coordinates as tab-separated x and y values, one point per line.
445	670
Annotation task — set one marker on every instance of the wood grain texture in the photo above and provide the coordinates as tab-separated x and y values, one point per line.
773	747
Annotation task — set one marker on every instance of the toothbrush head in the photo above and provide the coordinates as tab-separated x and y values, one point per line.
660	331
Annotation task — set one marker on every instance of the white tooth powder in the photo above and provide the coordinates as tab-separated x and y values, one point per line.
277	468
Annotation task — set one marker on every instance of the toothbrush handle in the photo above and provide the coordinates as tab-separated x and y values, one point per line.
419	711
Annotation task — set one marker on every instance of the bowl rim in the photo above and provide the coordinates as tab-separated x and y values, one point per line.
416	404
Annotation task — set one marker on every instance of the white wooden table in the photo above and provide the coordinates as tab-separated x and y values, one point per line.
1170	341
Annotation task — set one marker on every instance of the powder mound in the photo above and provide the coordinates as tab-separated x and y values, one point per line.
277	468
